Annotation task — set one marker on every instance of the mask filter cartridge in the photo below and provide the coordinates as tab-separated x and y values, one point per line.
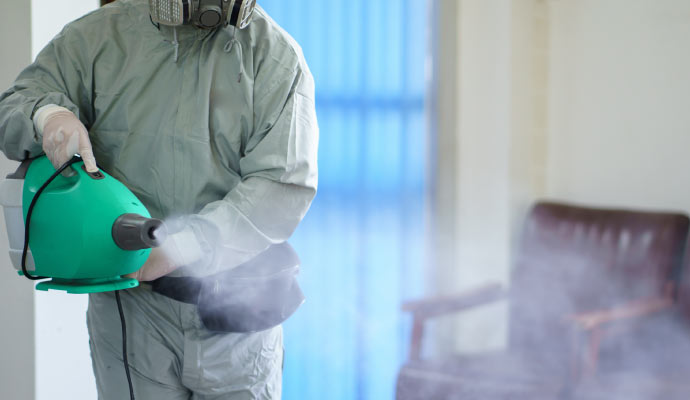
167	12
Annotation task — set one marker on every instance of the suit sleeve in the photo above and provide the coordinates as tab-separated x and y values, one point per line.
58	76
279	176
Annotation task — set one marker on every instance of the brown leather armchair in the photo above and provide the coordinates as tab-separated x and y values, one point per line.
581	275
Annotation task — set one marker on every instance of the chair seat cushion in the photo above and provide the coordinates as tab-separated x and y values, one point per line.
489	376
632	386
660	346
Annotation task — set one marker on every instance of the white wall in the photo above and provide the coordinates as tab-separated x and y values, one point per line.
17	373
484	152
500	152
619	103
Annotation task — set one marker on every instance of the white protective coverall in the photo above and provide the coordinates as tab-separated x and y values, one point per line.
216	128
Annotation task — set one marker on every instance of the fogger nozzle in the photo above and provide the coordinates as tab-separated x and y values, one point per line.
135	232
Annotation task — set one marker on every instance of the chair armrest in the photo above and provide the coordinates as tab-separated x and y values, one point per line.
595	325
591	320
437	306
433	307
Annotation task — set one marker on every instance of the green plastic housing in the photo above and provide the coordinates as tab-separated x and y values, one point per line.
71	230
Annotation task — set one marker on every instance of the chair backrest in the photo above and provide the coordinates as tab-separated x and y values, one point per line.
575	259
684	287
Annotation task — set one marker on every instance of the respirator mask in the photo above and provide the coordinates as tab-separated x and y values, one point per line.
205	14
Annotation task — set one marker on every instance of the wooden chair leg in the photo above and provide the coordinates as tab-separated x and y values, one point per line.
593	352
416	342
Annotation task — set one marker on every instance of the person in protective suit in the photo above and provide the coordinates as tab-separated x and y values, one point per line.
205	110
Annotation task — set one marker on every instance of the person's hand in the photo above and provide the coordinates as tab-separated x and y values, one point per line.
157	265
64	136
179	249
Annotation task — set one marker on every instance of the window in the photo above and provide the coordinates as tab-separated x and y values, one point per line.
361	244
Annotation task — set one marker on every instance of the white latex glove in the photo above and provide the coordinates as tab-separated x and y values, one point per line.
178	250
64	136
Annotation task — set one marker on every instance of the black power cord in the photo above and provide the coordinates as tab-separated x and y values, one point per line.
26	273
124	344
27	225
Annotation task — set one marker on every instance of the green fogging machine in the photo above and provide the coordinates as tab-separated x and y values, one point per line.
79	233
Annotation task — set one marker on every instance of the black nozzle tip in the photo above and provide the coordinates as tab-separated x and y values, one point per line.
135	232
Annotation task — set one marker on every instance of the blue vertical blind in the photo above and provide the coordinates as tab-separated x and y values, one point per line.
361	244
